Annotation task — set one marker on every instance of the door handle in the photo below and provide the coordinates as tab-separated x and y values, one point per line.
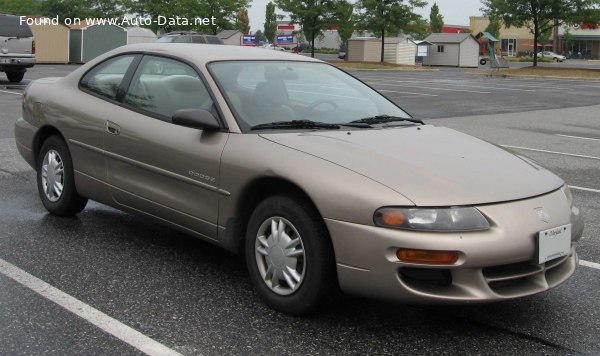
112	128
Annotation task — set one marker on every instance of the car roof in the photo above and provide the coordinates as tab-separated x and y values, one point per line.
204	53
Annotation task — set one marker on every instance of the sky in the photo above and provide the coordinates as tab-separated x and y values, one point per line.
455	12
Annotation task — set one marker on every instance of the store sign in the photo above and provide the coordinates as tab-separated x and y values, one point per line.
284	39
248	40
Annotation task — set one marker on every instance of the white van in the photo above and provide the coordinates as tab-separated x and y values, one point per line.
17	47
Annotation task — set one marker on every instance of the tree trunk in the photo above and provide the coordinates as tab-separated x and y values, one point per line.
312	43
382	43
536	34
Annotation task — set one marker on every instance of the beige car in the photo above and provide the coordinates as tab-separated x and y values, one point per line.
320	182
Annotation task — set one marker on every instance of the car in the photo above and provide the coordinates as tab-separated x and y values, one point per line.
189	37
318	181
342	52
551	55
270	46
17	47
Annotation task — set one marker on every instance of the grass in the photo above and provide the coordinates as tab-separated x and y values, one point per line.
579	73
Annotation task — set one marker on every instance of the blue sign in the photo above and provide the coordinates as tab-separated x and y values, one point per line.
248	40
284	39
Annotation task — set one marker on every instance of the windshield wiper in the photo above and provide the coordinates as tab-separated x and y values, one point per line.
295	124
382	119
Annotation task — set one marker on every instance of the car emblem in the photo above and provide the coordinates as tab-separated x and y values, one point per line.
542	215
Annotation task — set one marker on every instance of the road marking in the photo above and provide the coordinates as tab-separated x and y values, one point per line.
579	137
589	264
586	189
10	92
553	152
403	92
86	312
422	87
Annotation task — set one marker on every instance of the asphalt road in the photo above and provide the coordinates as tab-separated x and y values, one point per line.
111	270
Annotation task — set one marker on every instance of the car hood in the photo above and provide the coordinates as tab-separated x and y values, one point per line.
431	166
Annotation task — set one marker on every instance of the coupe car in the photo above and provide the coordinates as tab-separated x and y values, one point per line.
320	182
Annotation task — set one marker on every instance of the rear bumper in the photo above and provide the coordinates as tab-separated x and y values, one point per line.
496	264
16	63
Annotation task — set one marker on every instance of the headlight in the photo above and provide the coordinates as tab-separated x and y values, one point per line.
431	219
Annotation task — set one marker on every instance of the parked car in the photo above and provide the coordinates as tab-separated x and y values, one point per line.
189	37
342	52
17	48
270	46
551	55
318	189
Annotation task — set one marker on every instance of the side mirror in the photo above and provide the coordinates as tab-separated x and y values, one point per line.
196	118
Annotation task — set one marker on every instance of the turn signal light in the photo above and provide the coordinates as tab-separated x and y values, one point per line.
427	256
392	217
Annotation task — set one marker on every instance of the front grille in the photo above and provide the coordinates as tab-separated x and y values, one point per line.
524	278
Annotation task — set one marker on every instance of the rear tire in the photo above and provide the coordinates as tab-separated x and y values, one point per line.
56	180
15	77
289	255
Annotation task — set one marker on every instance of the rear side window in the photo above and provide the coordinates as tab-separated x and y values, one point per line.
213	40
182	39
198	39
105	79
10	26
163	85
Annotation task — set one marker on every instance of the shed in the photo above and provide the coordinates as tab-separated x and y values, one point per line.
231	37
400	53
453	49
364	49
51	40
89	41
138	34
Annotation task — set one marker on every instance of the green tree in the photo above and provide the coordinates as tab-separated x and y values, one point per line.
541	15
436	19
312	15
270	22
260	36
20	7
493	28
388	16
343	19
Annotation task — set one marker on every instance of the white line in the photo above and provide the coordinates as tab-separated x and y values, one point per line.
553	152
579	137
403	92
422	87
10	92
86	312
586	189
589	264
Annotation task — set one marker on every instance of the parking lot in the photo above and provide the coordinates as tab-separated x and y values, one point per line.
121	283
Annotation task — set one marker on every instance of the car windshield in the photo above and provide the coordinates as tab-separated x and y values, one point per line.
263	92
167	39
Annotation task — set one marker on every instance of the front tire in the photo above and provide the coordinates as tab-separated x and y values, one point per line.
289	255
56	180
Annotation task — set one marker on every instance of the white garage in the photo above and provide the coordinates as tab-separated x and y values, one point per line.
452	49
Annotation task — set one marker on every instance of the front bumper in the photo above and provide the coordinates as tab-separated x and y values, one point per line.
496	264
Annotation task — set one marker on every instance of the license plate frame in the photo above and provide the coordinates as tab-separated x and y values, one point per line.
553	243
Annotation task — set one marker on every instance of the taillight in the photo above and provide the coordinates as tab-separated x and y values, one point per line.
33	47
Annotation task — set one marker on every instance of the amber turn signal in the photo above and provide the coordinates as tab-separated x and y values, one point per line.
427	257
392	217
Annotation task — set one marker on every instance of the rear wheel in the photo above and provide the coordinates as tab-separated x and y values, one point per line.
289	255
15	77
55	179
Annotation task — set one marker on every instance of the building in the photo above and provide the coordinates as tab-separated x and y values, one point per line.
89	41
579	40
231	37
455	50
455	29
140	35
51	40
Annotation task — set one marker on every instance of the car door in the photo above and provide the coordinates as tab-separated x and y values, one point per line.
154	166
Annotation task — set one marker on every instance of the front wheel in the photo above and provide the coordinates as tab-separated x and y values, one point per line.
55	179
289	255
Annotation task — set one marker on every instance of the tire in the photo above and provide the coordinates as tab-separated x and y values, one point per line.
290	277
55	170
15	77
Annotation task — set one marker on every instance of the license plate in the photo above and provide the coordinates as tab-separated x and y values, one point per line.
554	243
4	60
